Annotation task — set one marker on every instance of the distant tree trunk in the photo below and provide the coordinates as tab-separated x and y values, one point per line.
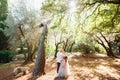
65	44
57	43
31	53
56	48
40	60
71	46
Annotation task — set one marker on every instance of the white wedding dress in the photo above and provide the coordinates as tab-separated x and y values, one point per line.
64	70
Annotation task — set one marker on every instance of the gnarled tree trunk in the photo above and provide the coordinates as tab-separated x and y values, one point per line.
108	48
31	51
40	60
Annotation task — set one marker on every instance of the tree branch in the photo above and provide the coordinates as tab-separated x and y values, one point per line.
94	11
105	2
117	12
111	1
19	26
102	43
104	37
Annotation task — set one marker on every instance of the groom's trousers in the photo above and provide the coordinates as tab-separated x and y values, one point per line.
58	65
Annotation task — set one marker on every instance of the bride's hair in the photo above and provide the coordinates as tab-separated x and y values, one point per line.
65	58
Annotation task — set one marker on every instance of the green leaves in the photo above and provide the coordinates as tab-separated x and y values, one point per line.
3	13
105	18
53	27
54	6
3	25
3	10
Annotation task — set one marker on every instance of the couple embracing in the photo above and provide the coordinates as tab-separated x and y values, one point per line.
63	70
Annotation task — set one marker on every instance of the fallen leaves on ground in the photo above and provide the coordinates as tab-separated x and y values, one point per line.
83	67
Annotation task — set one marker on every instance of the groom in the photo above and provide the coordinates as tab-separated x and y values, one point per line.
59	58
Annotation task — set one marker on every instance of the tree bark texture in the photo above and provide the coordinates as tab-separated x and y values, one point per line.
40	60
108	48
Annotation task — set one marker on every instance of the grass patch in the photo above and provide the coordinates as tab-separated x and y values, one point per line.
6	65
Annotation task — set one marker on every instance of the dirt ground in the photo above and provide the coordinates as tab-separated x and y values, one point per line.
83	67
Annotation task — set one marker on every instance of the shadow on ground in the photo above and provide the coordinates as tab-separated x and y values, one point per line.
95	67
83	67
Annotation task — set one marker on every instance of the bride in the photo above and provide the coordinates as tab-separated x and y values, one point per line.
64	70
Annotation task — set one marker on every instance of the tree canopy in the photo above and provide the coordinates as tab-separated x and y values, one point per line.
86	26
